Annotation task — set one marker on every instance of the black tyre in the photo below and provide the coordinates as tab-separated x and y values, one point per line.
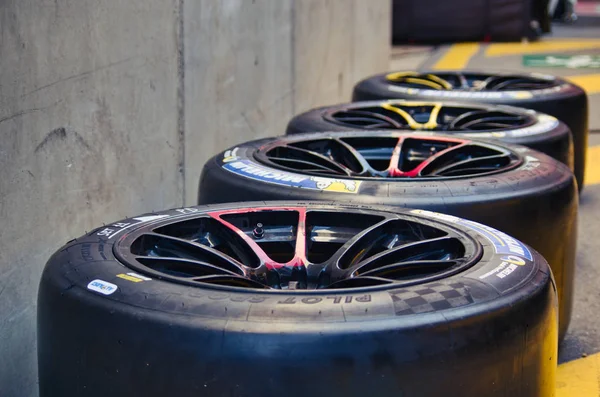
508	124
547	94
247	299
519	191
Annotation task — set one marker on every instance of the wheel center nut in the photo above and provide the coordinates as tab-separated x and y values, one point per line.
258	231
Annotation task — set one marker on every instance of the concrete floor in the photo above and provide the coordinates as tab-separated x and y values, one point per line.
583	337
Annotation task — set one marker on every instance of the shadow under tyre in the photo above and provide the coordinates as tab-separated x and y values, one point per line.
508	124
296	299
519	191
546	94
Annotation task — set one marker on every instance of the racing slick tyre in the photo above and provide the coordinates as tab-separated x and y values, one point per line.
296	299
508	124
519	191
546	94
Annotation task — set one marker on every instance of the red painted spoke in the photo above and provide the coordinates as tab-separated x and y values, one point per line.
393	169
299	258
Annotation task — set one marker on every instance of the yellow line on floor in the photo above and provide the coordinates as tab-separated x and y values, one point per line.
552	45
592	166
457	56
589	82
579	378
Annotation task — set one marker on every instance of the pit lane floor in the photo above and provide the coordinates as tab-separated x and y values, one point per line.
579	354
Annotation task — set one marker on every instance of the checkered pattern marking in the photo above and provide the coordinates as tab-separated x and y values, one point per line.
430	298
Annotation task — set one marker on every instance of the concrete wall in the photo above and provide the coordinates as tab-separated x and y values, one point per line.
250	65
109	108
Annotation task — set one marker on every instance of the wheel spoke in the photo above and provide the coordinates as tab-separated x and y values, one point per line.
485	83
366	119
458	80
486	163
456	124
313	157
500	83
466	156
442	155
464	84
433	117
480	118
364	164
164	246
358	246
410	269
393	168
514	83
442	82
487	119
301	164
410	121
434	249
442	158
427	80
185	268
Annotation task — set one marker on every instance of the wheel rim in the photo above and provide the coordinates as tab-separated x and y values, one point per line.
298	248
429	116
394	156
465	81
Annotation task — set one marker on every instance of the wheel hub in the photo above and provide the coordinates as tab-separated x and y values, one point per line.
467	81
388	156
298	248
433	116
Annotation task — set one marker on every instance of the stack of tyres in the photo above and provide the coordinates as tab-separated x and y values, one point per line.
547	94
517	190
381	245
297	299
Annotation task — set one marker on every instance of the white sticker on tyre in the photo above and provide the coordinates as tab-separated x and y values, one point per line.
101	286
